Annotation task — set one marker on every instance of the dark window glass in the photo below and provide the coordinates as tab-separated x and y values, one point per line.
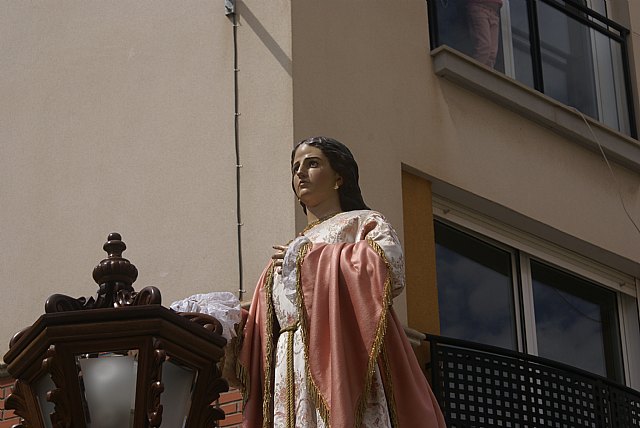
521	43
554	46
475	289
576	321
567	61
455	29
453	25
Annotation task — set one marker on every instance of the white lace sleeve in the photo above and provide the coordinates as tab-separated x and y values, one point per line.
375	227
222	305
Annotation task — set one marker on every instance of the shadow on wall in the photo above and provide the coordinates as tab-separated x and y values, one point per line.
270	43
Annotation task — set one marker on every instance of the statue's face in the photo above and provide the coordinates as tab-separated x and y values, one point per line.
314	180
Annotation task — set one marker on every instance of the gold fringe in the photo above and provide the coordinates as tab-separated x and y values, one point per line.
243	377
314	392
267	399
242	372
378	249
231	365
379	337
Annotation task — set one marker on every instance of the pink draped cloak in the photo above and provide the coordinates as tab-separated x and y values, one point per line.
349	327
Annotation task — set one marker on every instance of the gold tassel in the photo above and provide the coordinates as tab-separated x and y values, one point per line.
291	413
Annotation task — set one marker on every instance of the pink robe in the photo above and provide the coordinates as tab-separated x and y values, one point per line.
352	340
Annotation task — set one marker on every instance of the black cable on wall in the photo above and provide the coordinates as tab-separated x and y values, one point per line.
230	11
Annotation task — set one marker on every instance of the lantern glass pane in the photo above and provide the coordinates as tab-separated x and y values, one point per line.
179	382
108	385
42	386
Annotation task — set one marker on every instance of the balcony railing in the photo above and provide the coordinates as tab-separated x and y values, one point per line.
486	386
561	48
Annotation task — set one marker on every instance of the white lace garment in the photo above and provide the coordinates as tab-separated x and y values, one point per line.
347	227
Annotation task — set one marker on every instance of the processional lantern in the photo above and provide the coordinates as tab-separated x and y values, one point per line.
120	360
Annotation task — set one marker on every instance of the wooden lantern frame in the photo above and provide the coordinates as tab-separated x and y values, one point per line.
119	319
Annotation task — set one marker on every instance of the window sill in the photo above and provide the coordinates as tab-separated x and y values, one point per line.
564	120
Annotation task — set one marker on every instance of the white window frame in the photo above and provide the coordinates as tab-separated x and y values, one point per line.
528	246
598	51
622	117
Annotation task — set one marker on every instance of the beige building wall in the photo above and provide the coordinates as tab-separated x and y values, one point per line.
363	73
119	116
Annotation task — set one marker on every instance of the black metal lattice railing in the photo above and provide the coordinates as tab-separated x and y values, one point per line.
486	386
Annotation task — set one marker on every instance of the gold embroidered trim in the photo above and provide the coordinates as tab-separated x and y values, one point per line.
317	222
267	399
314	392
379	337
388	388
242	373
291	396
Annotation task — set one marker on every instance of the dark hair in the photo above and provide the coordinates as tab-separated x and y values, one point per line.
342	162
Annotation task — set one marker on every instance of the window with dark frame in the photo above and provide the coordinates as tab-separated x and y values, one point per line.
576	321
567	49
479	287
475	289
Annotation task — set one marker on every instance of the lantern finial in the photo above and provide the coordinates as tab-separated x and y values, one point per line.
115	269
114	245
114	275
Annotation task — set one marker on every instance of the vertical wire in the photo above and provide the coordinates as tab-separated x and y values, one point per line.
236	115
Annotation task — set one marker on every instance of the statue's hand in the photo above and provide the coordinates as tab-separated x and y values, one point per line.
278	256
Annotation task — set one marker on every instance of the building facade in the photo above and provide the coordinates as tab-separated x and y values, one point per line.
515	188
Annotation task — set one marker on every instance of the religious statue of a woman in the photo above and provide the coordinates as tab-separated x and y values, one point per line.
322	346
